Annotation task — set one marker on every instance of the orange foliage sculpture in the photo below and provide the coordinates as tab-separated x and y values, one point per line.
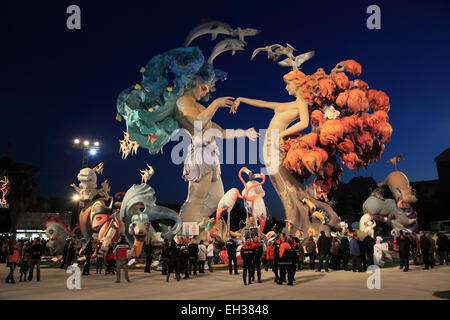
357	136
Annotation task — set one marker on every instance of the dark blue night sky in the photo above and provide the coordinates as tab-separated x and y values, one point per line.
58	84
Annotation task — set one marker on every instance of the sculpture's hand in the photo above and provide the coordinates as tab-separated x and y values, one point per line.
224	102
251	134
235	105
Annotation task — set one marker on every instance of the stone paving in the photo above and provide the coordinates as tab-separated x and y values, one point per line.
219	285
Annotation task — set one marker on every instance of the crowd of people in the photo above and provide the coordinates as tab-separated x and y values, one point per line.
284	255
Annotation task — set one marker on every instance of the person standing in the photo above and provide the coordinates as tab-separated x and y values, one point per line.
404	246
193	256
201	257
269	256
355	253
311	252
88	251
248	256
13	260
25	261
70	253
345	251
4	256
432	251
276	253
184	257
148	249
441	244
258	254
323	246
425	249
35	255
362	257
175	256
231	252
369	243
100	259
334	251
64	254
165	252
121	251
210	255
287	261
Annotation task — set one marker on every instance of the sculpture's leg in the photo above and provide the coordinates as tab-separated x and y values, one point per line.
197	191
215	193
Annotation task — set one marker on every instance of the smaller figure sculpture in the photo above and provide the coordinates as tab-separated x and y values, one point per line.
87	188
381	251
367	224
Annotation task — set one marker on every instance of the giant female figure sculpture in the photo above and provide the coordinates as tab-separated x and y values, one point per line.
286	184
347	120
166	99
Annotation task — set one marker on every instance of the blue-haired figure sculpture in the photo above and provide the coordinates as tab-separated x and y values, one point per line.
166	99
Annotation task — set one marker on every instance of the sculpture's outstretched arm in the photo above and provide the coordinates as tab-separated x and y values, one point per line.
233	133
190	109
253	102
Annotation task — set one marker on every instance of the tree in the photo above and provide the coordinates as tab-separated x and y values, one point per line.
23	186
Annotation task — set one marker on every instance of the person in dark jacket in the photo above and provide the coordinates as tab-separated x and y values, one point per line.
184	257
165	252
248	257
287	261
355	253
70	253
36	250
193	256
369	243
231	252
174	257
345	251
311	251
88	251
404	245
323	246
362	255
276	257
100	258
335	253
148	249
425	249
300	252
258	254
441	244
64	255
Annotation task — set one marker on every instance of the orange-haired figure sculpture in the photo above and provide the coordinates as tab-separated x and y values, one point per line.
344	124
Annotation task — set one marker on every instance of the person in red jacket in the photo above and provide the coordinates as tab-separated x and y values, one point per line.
121	251
258	254
248	257
276	256
287	261
13	260
269	256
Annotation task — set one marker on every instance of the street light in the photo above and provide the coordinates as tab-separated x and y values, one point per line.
87	148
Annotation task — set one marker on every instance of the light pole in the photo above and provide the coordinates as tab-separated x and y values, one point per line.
76	213
88	149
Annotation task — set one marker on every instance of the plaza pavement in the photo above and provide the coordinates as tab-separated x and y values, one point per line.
219	285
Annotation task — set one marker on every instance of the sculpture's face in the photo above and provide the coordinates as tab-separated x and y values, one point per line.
291	88
200	90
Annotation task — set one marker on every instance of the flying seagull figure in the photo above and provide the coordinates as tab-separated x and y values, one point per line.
298	61
211	27
226	45
275	51
241	33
